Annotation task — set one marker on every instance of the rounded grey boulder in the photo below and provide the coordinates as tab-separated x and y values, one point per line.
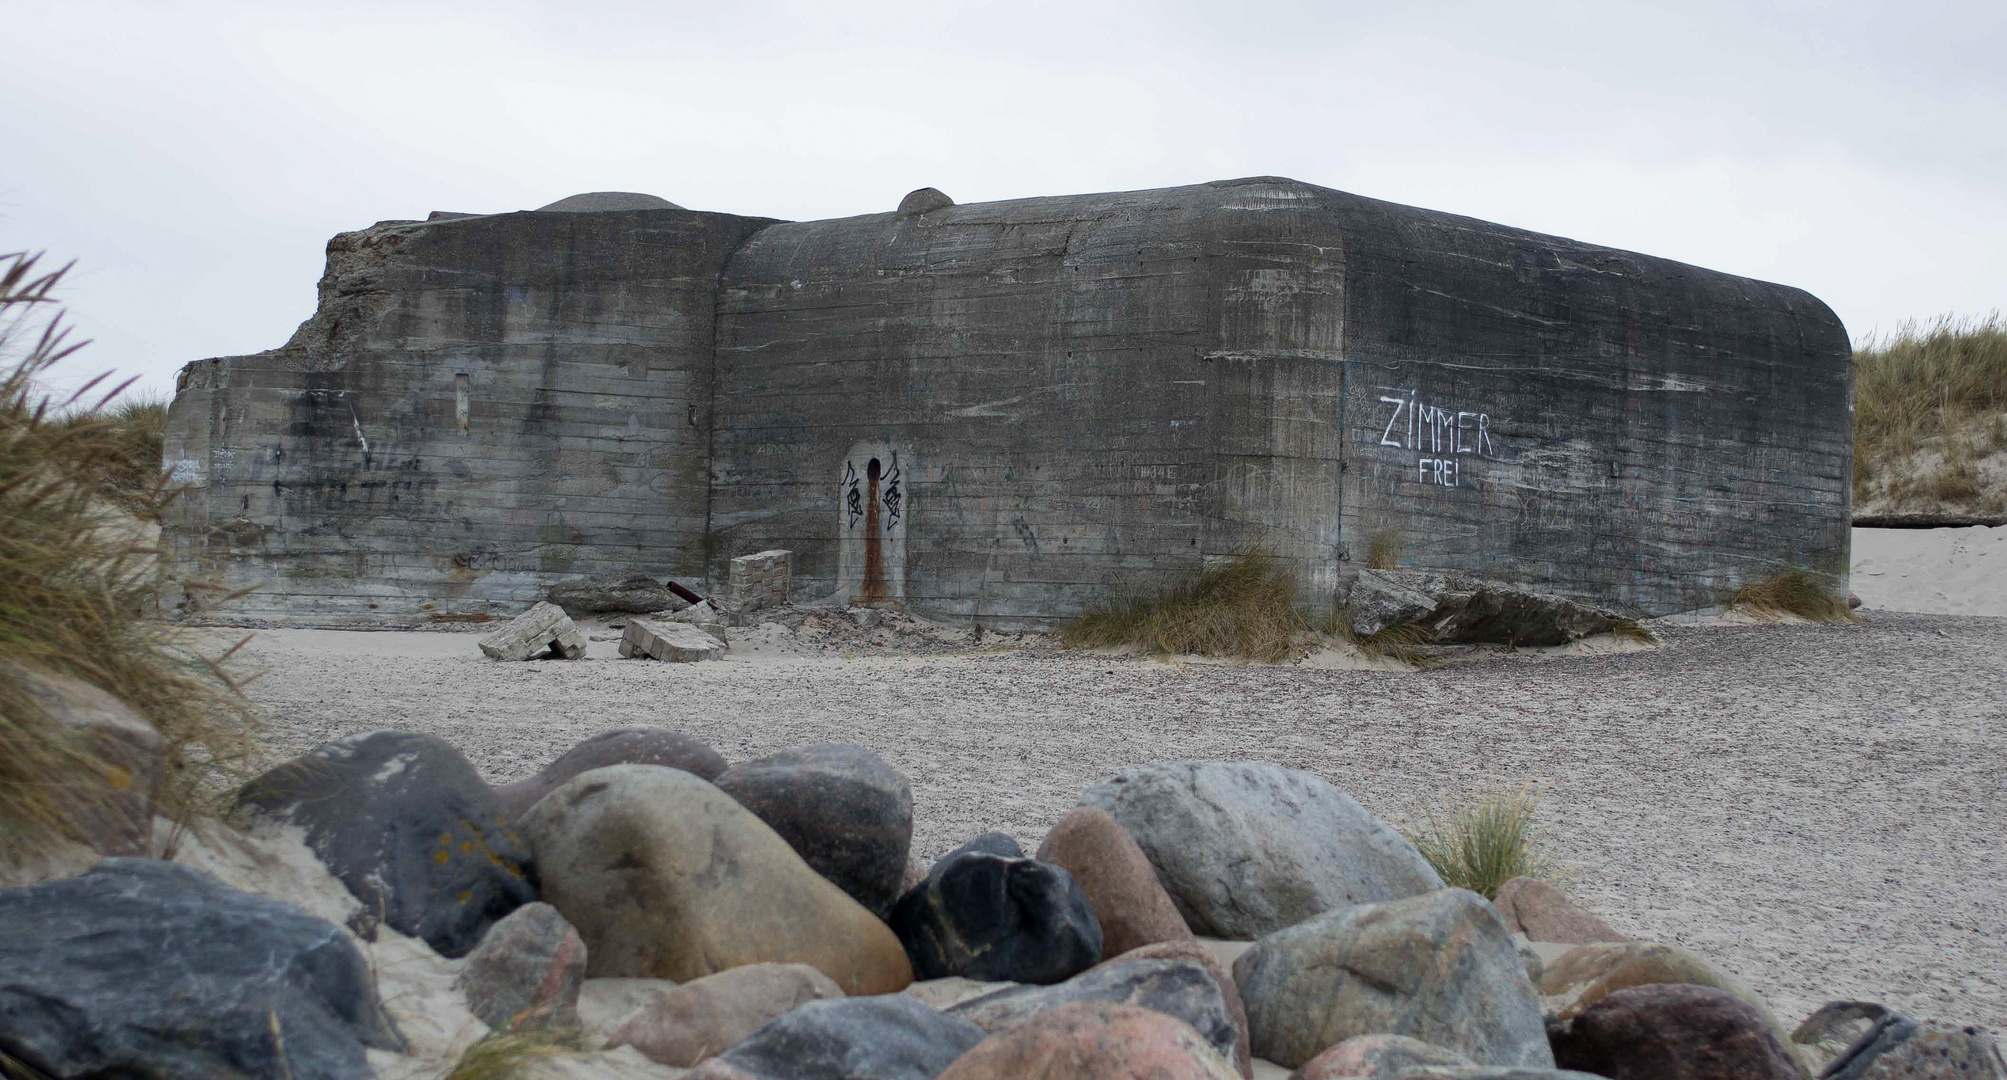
1175	987
889	1037
617	746
1440	967
145	968
1246	849
407	824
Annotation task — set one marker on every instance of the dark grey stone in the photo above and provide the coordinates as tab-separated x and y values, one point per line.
846	812
407	824
888	1037
997	919
1246	848
616	746
633	593
990	843
1897	1046
1180	988
155	971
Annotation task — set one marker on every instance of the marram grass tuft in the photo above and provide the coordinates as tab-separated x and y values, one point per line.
1485	844
1794	592
1244	608
78	579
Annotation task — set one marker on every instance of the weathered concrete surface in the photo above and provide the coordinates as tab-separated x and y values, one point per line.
482	407
1073	392
1000	411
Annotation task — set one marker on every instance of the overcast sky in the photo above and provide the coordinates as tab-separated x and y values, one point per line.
194	158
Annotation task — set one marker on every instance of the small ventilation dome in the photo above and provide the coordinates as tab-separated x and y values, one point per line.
925	200
599	201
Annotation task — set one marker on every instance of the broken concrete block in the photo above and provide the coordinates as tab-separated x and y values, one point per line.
705	616
678	642
544	626
760	580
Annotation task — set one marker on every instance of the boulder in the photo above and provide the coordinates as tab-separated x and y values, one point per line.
1672	1031
846	812
1543	913
148	969
988	917
1193	949
1245	848
674	642
989	843
1581	977
1439	967
880	1038
667	877
708	1016
1179	987
407	824
110	805
1382	599
1377	1057
1489	1072
544	629
527	971
634	593
619	746
1132	906
1095	1039
1898	1048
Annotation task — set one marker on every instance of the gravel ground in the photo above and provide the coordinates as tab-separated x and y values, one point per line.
1818	809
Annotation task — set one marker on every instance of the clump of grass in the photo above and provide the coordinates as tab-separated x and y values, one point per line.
132	432
1383	551
502	1055
1935	385
74	583
1634	630
1407	644
1243	608
1794	592
1485	844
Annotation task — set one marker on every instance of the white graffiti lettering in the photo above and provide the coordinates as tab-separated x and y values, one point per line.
1440	433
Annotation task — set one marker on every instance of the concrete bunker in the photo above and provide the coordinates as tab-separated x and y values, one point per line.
1083	393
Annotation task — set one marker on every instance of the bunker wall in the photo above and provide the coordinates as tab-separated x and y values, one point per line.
1610	426
480	406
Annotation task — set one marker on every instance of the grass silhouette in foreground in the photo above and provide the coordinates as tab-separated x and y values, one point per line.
79	480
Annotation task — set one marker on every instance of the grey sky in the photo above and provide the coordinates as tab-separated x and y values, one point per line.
195	157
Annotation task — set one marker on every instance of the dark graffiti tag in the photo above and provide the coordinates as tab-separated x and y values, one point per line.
892	496
853	499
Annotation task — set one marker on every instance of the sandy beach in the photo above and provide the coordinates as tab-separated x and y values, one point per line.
1819	809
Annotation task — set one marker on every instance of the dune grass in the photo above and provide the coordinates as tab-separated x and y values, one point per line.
1484	844
1934	392
502	1055
77	577
1794	592
1243	608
